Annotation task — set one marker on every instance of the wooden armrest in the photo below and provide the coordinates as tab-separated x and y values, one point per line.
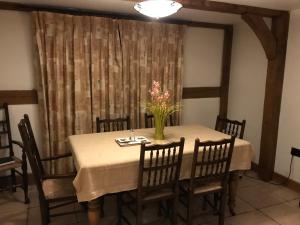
57	157
18	143
60	176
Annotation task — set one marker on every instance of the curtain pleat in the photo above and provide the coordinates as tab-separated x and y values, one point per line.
100	67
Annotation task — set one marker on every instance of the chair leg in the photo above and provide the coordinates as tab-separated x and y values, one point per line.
102	206
25	182
216	201
119	208
204	205
44	213
139	213
190	211
175	210
13	180
222	208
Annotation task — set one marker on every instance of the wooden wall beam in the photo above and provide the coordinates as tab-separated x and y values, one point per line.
226	7
225	76
273	95
263	33
201	92
19	97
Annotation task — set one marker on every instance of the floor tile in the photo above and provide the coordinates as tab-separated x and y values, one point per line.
241	207
247	182
12	202
15	217
285	194
34	216
251	218
295	203
260	196
284	214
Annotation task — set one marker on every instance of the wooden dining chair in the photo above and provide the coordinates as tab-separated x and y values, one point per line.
231	127
11	162
107	125
54	191
159	171
43	160
209	175
149	121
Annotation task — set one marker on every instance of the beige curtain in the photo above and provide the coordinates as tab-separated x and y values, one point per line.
94	66
150	51
63	45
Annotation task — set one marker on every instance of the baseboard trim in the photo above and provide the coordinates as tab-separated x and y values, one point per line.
294	185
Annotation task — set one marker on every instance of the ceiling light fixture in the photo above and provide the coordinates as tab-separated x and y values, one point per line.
157	8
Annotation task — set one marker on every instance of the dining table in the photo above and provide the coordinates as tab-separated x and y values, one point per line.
104	167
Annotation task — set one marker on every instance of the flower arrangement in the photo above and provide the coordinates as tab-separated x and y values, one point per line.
161	107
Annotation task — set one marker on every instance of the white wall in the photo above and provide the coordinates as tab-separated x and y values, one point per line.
16	65
202	68
247	83
289	126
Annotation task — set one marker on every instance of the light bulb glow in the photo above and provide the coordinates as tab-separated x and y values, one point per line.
157	8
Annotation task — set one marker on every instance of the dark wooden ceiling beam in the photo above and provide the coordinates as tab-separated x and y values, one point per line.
263	33
86	12
226	7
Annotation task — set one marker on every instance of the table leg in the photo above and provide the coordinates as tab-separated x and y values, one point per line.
233	187
94	212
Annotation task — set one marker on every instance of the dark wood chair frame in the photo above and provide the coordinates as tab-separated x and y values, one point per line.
6	130
107	125
158	180
230	127
40	160
46	204
149	121
210	166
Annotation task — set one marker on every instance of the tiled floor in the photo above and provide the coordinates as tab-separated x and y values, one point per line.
258	203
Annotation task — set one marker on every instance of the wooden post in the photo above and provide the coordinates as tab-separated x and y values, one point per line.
274	42
273	94
226	63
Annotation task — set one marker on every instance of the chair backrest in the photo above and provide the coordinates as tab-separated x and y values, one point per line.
159	166
106	125
211	161
149	121
34	145
5	130
231	127
34	161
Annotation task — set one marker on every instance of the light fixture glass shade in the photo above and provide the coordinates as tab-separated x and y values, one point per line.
157	8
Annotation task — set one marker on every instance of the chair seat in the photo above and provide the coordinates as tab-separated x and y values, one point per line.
203	188
159	194
152	196
58	188
10	163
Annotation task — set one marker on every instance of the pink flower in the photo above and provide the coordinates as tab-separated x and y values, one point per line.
166	95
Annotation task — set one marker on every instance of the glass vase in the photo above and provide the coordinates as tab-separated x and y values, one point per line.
159	122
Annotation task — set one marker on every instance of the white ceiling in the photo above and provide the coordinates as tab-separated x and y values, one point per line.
126	7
